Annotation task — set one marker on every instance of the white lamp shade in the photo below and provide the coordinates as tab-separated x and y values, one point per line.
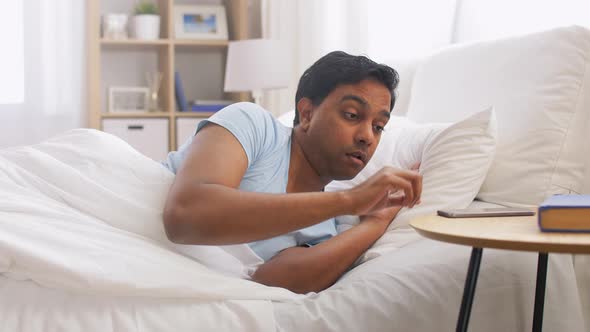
257	64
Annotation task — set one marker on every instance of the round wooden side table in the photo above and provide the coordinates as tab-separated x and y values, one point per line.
512	233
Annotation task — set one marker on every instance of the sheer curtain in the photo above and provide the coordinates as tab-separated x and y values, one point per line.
382	29
401	29
310	28
53	47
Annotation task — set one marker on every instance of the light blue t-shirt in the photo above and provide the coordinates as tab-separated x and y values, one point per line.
267	144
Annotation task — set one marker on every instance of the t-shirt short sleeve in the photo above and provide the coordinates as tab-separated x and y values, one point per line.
316	234
267	145
250	124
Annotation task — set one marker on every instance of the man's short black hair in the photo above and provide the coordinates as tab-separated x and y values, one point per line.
337	68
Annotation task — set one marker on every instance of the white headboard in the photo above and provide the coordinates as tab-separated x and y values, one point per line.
406	69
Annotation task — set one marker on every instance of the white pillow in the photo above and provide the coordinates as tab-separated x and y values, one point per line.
539	85
454	161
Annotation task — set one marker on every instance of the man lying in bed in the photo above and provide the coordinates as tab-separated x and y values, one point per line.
245	178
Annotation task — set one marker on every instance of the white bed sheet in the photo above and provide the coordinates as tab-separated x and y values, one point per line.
28	307
418	287
415	288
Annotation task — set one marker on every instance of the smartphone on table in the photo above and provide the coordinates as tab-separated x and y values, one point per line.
485	212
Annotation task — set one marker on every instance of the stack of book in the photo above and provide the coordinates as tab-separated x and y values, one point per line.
196	105
208	105
565	213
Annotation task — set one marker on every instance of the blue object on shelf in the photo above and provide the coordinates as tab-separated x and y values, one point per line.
179	91
206	108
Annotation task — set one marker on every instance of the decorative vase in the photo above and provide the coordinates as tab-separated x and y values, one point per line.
154	79
146	27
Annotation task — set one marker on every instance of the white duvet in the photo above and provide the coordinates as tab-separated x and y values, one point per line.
82	249
82	212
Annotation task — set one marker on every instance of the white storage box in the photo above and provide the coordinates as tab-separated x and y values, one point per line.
185	128
148	136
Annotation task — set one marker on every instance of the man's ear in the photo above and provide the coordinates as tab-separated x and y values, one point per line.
304	108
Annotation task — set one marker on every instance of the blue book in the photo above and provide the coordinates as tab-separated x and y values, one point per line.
207	108
565	213
179	91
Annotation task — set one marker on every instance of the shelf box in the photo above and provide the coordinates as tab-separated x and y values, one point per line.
133	115
185	128
148	136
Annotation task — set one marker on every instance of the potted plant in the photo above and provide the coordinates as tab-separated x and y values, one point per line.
146	22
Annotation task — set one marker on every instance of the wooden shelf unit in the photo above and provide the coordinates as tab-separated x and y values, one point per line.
128	115
133	42
237	20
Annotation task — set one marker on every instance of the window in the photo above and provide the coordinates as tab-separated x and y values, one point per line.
12	74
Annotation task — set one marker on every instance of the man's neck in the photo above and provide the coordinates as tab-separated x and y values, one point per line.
302	176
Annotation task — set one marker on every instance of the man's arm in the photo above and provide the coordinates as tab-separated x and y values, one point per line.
205	207
304	270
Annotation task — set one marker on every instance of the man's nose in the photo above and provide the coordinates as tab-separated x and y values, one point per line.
365	135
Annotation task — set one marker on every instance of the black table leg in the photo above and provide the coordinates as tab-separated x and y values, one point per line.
540	292
469	290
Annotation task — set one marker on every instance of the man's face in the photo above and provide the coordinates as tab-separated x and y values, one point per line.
344	130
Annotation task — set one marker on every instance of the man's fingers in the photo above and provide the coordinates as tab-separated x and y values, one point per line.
418	189
404	188
410	182
399	182
416	182
396	201
395	198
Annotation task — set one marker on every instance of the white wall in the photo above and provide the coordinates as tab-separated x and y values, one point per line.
401	29
485	19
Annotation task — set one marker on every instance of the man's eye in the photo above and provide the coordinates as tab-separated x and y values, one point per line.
379	129
350	115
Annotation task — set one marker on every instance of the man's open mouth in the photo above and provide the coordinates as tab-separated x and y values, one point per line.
361	156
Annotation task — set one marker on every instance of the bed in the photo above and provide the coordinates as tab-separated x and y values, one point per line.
82	245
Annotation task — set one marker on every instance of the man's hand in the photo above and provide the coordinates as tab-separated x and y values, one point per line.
313	269
389	187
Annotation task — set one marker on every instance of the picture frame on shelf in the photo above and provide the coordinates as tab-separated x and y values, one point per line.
128	99
200	22
114	26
